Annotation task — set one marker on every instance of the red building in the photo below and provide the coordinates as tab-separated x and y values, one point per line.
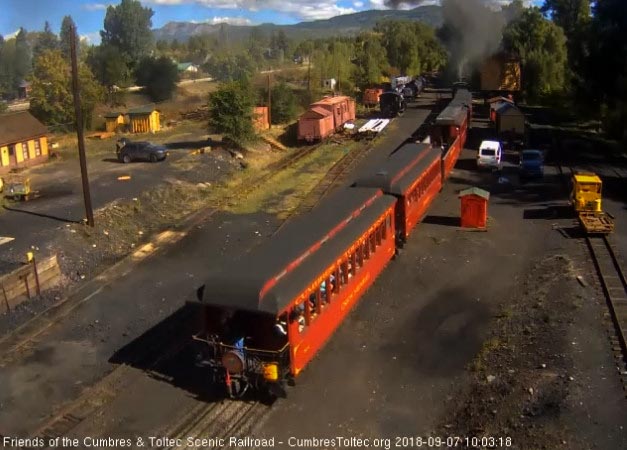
474	208
314	124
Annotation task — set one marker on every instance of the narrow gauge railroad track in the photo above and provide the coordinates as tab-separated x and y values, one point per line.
23	346
278	166
165	343
614	286
332	178
163	346
218	421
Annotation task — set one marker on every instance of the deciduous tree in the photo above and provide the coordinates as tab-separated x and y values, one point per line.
541	45
51	95
370	60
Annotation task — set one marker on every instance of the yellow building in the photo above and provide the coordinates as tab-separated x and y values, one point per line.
23	141
113	120
144	120
500	73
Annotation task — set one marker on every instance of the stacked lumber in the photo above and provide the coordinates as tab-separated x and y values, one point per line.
199	114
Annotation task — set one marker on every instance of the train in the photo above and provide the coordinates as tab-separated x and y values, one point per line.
392	104
265	316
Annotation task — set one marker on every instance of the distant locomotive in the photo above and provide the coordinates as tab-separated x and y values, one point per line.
265	316
392	104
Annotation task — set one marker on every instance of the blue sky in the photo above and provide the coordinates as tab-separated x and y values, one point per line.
89	14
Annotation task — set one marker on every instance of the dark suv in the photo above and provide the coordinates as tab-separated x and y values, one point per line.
128	151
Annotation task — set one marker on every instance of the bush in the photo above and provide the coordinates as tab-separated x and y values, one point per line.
158	76
231	111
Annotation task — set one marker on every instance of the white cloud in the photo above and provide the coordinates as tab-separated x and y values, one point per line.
378	4
302	9
95	6
358	4
229	20
12	35
91	38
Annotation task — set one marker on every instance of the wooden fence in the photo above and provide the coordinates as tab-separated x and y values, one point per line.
23	283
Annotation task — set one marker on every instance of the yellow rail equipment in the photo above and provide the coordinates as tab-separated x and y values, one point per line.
586	198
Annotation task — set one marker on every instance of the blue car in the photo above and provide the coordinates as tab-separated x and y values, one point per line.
531	164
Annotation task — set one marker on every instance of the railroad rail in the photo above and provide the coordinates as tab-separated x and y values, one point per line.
333	177
165	343
219	421
614	287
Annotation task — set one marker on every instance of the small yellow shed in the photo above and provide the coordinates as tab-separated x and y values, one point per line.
113	120
145	119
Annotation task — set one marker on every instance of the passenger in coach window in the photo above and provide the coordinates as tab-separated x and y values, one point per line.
281	327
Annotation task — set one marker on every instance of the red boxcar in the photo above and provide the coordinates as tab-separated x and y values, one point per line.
267	314
342	108
315	124
413	175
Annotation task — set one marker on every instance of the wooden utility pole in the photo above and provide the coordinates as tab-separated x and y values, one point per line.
309	74
269	103
89	212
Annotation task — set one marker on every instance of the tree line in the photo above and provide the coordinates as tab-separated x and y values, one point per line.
571	50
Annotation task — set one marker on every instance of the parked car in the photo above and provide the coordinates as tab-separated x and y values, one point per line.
489	155
128	151
531	163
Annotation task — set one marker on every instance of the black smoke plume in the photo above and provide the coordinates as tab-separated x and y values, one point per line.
472	29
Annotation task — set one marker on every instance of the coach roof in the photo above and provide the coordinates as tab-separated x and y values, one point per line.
402	169
269	277
452	115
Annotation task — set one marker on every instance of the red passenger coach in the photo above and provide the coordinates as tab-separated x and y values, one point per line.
266	315
413	175
450	130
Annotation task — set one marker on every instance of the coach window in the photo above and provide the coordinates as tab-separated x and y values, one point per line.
373	242
318	299
366	249
299	316
353	265
336	283
377	235
344	272
384	228
360	255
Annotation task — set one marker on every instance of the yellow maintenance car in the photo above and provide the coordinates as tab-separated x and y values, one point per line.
16	187
586	199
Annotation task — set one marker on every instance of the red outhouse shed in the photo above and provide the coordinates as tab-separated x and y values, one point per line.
474	208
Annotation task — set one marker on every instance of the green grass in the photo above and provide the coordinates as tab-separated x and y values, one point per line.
284	191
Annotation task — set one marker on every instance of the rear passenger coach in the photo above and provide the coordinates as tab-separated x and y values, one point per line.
267	314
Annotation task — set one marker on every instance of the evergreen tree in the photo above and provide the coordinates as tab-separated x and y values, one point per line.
23	62
127	26
158	76
65	36
46	40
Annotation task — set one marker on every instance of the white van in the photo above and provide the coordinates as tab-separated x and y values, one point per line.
489	155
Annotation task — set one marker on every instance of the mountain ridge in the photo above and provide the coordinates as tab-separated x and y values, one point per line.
346	24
